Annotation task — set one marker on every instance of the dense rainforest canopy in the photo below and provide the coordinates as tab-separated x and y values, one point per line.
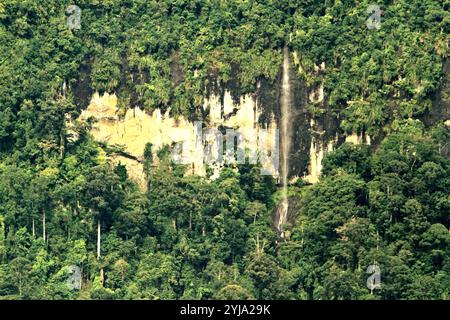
187	237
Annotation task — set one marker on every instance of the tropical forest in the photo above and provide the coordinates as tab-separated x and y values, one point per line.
352	202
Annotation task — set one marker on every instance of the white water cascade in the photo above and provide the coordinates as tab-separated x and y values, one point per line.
285	130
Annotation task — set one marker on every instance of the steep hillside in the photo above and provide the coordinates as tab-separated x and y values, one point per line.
115	167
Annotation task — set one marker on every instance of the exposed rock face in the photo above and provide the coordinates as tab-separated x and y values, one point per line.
440	109
319	147
137	128
358	138
257	117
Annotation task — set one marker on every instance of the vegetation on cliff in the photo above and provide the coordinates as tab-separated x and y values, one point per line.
191	238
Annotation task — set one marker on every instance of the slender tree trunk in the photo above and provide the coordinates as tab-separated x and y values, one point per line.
301	243
43	225
81	278
62	142
32	227
190	221
99	235
98	238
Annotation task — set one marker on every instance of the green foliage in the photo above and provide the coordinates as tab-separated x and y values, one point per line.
386	214
189	237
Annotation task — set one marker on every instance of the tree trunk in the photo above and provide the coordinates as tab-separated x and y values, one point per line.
98	238
190	221
102	275
32	227
62	144
81	278
43	225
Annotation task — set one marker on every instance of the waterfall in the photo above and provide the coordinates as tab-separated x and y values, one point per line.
285	107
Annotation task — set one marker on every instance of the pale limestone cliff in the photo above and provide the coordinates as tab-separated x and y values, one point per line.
137	128
358	138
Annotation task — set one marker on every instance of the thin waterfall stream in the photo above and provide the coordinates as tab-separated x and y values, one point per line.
285	107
